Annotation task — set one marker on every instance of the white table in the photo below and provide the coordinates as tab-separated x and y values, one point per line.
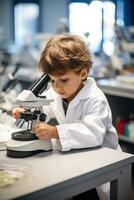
57	175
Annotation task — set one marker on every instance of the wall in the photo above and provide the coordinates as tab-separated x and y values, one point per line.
6	18
128	12
51	11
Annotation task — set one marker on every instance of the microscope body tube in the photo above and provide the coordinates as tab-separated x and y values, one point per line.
40	85
12	81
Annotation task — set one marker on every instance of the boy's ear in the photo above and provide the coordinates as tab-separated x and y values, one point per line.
84	74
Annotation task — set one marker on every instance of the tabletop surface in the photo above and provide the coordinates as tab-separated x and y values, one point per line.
52	168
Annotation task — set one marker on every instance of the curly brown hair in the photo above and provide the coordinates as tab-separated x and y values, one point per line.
63	53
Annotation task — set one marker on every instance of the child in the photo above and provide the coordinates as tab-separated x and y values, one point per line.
80	107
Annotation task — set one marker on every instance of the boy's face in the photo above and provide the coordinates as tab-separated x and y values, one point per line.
68	84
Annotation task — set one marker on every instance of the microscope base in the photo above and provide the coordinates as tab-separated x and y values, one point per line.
23	154
21	149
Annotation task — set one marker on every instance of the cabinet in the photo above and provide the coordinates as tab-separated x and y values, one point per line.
121	100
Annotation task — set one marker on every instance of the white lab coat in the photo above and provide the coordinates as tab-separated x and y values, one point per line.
88	121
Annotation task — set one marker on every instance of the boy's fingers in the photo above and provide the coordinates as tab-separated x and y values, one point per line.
15	115
37	126
35	130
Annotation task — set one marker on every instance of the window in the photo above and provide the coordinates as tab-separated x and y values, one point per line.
78	23
94	22
25	22
109	22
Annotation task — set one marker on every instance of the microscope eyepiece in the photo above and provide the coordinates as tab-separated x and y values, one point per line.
40	85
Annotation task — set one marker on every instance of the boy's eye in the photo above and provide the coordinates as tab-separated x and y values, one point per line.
52	81
64	80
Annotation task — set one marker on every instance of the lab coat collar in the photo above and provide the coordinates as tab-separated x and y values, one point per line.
84	93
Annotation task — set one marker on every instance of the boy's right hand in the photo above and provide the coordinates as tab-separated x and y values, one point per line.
16	112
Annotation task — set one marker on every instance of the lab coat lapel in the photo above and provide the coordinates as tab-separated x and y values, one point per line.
58	109
70	113
82	95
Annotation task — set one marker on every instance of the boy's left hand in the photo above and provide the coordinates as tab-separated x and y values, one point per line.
45	131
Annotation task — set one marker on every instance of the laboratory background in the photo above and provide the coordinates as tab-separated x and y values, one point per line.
107	27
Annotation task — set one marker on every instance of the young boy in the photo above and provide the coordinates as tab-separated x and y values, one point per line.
80	107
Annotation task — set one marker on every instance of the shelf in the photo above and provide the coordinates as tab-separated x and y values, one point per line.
116	88
125	139
120	96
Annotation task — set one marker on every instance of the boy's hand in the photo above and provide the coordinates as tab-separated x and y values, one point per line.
16	112
45	131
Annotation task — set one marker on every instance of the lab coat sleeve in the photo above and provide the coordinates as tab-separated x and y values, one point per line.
88	132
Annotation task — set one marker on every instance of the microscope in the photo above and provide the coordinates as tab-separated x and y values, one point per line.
24	143
10	83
